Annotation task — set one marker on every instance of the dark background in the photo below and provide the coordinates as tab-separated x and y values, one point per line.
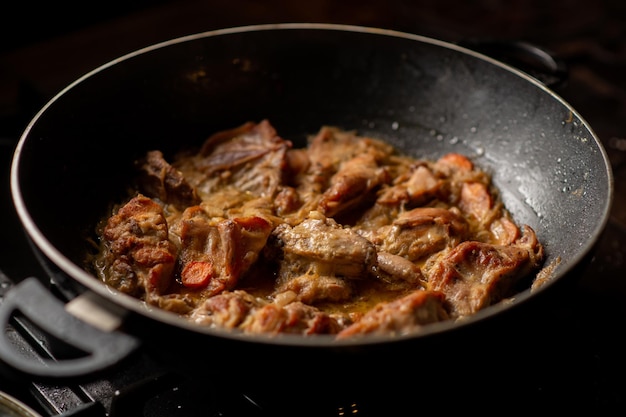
45	46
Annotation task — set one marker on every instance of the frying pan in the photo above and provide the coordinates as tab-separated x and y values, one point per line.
424	96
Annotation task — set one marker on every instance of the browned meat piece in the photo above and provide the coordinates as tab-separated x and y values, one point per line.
476	201
401	316
327	152
398	270
239	309
161	180
331	147
353	184
298	163
504	231
295	317
475	275
471	191
251	158
287	201
458	171
413	188
179	303
373	221
226	135
421	232
140	256
216	252
319	247
228	309
311	288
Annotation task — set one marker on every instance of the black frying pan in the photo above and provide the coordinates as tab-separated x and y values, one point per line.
424	96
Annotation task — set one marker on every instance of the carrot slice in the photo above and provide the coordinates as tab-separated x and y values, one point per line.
197	274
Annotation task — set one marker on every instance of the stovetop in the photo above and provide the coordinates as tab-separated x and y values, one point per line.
578	351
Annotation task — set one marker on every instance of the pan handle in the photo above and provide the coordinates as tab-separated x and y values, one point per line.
86	349
534	60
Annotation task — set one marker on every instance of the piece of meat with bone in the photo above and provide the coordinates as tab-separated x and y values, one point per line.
216	252
475	275
139	256
251	158
401	316
163	181
323	252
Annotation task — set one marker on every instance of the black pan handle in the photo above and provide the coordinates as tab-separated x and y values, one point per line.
93	350
534	60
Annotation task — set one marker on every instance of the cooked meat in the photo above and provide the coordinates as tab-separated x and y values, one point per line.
240	310
287	201
294	317
250	158
353	184
216	252
421	232
332	147
162	181
312	287
476	200
317	258
342	170
345	236
415	187
138	255
457	170
228	309
398	270
400	316
474	275
504	231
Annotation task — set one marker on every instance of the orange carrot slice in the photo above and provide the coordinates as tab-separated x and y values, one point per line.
197	274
